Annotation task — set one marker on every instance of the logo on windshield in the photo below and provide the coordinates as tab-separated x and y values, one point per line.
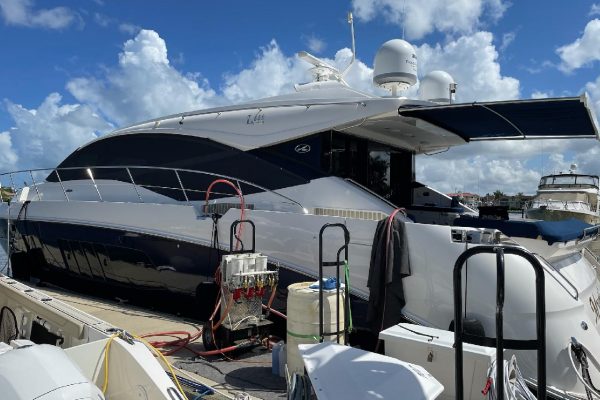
302	148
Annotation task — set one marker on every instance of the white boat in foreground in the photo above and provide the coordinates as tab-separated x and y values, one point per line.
50	350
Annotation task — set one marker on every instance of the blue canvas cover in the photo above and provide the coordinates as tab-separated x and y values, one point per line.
518	119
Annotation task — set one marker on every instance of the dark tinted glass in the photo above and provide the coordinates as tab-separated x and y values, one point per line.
172	151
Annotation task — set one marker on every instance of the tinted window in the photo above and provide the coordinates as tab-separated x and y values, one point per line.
383	169
301	156
172	151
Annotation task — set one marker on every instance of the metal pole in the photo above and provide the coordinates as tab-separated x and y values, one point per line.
181	185
8	247
539	344
61	184
35	185
321	283
499	322
14	188
458	328
134	185
337	298
89	171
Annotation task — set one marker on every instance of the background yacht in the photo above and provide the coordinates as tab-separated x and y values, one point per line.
564	196
133	210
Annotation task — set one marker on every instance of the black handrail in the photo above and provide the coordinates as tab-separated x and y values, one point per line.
336	264
499	342
232	234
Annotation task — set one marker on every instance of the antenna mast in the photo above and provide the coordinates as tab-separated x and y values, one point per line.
351	22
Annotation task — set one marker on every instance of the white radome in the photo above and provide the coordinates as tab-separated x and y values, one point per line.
395	65
435	87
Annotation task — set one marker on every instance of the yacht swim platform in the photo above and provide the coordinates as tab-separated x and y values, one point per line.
229	376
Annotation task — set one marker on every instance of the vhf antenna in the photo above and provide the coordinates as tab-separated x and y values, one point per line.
351	22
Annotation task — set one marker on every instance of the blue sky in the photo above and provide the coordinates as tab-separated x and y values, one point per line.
73	70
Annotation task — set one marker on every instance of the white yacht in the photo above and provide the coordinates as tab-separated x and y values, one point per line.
149	206
564	196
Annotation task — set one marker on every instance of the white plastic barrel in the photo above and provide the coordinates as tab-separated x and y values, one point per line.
303	320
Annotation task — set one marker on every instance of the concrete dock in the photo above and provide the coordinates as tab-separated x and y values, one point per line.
249	373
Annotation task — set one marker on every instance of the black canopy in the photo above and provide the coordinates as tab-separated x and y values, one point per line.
568	117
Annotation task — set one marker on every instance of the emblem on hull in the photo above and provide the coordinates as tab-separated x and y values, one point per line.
302	148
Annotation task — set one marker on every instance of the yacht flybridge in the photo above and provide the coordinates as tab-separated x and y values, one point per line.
147	207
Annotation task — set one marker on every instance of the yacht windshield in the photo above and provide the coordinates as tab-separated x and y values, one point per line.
569	180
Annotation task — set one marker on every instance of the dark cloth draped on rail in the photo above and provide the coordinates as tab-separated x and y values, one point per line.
389	264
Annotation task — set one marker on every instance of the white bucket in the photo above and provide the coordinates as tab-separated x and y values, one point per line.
303	320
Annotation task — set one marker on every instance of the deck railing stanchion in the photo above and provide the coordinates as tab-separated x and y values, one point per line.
134	185
35	185
61	184
89	171
181	185
12	181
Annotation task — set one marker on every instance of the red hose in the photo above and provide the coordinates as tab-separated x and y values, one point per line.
217	351
242	204
272	310
177	344
225	313
183	342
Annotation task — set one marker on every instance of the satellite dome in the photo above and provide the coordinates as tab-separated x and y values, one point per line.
437	87
395	66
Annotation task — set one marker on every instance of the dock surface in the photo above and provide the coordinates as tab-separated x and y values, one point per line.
249	372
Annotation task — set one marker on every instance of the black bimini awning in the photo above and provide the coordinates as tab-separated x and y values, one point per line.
560	118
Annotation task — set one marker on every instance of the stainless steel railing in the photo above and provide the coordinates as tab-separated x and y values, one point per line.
126	170
569	205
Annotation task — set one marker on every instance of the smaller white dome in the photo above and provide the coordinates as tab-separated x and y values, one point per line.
395	65
435	87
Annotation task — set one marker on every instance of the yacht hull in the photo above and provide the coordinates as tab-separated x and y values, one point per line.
561	215
124	264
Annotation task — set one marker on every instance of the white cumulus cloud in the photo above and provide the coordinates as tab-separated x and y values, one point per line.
22	12
593	89
510	166
583	51
43	136
473	63
594	10
421	17
8	156
142	85
270	74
